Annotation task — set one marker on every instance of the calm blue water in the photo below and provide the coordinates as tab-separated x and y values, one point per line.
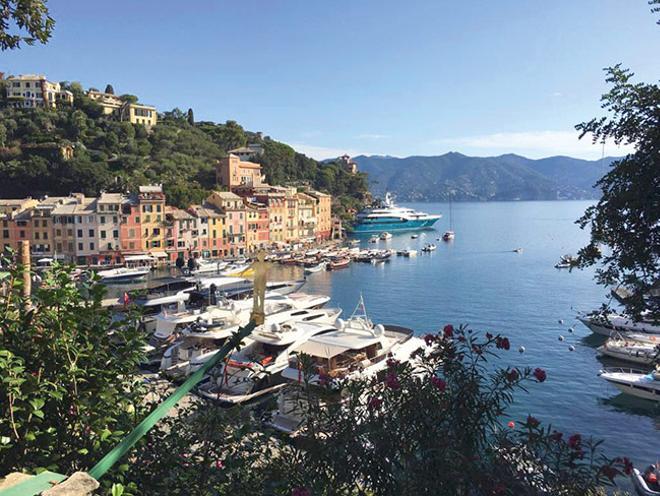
477	280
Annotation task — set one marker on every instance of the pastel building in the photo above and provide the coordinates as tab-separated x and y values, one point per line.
233	173
257	226
135	113
306	217
152	211
179	228
323	214
291	218
34	90
235	220
275	200
108	219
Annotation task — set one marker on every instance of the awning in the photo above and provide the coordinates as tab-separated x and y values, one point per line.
138	258
159	254
321	350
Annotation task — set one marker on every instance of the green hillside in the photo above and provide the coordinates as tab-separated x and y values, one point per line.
117	156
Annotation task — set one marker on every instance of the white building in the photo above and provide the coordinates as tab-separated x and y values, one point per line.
32	91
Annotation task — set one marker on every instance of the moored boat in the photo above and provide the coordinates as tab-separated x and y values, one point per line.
339	263
634	382
629	351
389	217
123	274
647	483
610	324
315	268
385	236
429	247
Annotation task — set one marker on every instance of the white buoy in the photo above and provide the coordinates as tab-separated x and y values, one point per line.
521	349
561	321
561	338
571	348
570	329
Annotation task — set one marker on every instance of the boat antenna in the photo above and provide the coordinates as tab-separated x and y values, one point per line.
360	310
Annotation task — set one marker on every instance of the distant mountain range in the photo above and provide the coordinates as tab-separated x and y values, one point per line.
507	177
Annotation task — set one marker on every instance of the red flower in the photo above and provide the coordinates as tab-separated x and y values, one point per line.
511	424
556	436
429	339
532	422
502	343
609	472
374	403
512	375
575	441
448	331
440	384
476	349
391	362
392	381
301	491
219	465
540	374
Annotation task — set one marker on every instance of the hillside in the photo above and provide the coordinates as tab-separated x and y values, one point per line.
117	156
506	177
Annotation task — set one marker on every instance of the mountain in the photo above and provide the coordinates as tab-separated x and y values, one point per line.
506	177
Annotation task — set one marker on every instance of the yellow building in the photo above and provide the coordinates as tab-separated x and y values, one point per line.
151	201
135	113
291	219
306	217
323	214
34	90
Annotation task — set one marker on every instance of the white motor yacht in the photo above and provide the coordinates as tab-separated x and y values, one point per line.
409	253
429	247
609	324
123	274
385	236
634	382
208	266
255	370
355	348
630	351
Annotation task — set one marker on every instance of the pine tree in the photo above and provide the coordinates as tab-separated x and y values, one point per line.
109	89
191	117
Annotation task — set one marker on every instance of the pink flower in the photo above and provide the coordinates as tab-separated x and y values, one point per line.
219	464
532	422
511	424
439	383
512	375
448	331
301	491
627	466
540	374
502	343
374	403
392	381
575	441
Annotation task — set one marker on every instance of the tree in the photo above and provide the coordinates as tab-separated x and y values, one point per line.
626	220
30	22
109	89
129	98
68	391
191	117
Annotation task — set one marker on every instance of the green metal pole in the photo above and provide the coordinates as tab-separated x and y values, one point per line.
127	443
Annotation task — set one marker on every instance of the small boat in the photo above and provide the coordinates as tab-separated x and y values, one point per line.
409	253
448	236
339	263
316	268
373	239
205	266
561	265
647	483
429	247
634	382
123	274
629	351
414	236
518	250
354	242
385	236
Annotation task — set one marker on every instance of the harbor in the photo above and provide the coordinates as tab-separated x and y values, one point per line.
482	277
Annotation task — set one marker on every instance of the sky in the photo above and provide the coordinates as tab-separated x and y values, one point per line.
399	78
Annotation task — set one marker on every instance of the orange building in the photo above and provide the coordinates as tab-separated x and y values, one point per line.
323	214
234	173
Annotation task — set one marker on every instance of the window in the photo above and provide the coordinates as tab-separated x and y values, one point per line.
91	246
69	232
102	234
59	246
147	218
157	218
79	219
5	233
44	223
155	231
58	232
137	219
131	245
131	233
157	208
114	219
80	246
46	235
146	234
115	234
21	234
91	233
103	219
90	218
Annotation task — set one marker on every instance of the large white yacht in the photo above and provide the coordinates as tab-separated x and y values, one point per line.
635	382
609	324
391	218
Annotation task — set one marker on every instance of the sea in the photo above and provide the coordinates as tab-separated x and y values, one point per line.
478	280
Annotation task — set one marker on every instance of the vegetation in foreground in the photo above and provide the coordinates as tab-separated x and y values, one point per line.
69	394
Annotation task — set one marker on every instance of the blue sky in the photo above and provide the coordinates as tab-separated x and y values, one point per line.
481	77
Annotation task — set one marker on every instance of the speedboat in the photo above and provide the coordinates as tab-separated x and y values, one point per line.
634	382
339	263
374	239
414	236
355	349
647	483
448	235
518	250
630	351
206	266
255	370
385	236
390	217
429	247
123	274
609	324
409	253
237	270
